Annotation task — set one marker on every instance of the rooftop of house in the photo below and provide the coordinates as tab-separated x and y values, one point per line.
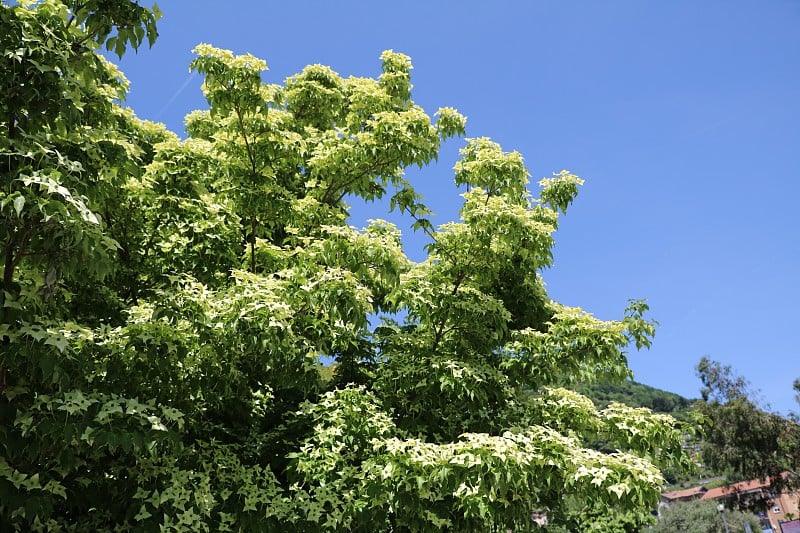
792	526
743	487
692	492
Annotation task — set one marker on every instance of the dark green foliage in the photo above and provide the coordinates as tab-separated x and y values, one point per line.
742	436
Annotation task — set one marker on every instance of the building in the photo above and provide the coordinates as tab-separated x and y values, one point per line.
684	495
781	509
792	526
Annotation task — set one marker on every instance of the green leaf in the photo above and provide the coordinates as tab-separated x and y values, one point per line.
57	340
19	203
143	514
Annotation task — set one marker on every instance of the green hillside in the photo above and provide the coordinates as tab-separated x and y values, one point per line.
637	395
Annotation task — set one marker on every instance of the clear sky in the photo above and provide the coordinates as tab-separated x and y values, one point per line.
682	116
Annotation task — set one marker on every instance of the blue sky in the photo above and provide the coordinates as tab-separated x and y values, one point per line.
682	116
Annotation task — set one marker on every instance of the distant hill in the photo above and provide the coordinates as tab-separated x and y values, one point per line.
637	394
630	393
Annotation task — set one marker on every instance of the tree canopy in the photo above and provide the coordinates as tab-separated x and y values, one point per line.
166	303
703	517
743	436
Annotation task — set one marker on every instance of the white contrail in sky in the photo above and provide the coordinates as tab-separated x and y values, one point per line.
176	95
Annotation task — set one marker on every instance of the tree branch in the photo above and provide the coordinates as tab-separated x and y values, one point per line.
440	328
253	173
328	196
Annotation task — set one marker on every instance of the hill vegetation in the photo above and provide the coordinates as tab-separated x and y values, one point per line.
637	394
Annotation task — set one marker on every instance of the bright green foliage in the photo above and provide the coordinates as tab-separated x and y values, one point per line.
166	303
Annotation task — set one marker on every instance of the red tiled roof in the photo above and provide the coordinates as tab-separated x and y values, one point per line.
712	494
742	486
685	493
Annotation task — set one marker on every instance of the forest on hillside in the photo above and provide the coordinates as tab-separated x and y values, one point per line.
637	394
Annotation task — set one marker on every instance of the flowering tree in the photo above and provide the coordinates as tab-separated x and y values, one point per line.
184	392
